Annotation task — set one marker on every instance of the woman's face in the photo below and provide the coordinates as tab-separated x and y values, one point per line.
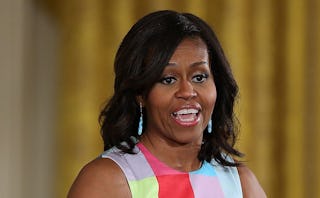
180	105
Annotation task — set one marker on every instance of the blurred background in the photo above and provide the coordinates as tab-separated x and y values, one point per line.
57	72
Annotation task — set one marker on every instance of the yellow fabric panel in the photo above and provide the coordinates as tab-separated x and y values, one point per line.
147	187
262	98
314	160
294	114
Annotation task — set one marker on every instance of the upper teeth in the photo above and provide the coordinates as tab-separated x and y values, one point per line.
186	111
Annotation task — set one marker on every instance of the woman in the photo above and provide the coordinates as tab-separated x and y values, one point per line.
169	128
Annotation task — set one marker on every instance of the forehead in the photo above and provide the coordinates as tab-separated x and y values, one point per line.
191	48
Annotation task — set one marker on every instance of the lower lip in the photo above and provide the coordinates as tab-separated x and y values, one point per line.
187	123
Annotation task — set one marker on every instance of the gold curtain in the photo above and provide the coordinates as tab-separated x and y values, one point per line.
273	47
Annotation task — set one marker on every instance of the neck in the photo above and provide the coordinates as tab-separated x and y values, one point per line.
182	157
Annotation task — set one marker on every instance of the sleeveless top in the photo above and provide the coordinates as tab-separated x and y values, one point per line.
149	177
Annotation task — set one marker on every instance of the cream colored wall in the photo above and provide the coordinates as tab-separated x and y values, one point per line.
11	98
27	82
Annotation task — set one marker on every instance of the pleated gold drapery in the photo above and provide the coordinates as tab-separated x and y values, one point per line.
273	47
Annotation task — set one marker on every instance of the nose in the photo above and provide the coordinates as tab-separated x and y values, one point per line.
185	90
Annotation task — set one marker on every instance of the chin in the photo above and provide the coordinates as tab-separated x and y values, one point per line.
188	137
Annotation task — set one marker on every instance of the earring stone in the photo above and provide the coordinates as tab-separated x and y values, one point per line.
209	128
140	127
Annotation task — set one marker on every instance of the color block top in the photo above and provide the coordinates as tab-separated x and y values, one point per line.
149	177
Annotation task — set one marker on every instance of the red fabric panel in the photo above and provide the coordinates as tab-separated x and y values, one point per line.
175	186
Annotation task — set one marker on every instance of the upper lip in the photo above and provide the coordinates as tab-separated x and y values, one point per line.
187	109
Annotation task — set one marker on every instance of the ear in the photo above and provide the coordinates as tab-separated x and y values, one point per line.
139	100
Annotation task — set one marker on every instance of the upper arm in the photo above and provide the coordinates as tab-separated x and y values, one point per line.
249	183
100	178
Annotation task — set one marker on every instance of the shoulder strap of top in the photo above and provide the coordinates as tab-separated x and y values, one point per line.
137	171
130	163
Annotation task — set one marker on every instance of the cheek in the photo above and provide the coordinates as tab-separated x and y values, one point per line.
210	99
157	102
211	103
213	97
155	97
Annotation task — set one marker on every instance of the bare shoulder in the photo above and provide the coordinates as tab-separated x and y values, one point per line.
250	184
99	178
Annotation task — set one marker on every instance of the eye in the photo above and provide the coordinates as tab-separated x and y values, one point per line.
168	80
199	78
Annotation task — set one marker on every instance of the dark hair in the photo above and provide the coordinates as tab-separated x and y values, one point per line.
139	63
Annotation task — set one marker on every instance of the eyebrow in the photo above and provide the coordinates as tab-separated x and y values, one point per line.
192	65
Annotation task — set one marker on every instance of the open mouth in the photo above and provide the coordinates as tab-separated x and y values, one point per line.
187	116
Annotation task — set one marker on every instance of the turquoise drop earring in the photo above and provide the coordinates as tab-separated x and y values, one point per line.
209	128
140	120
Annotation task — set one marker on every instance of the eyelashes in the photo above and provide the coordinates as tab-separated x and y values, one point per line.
199	78
167	80
170	79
